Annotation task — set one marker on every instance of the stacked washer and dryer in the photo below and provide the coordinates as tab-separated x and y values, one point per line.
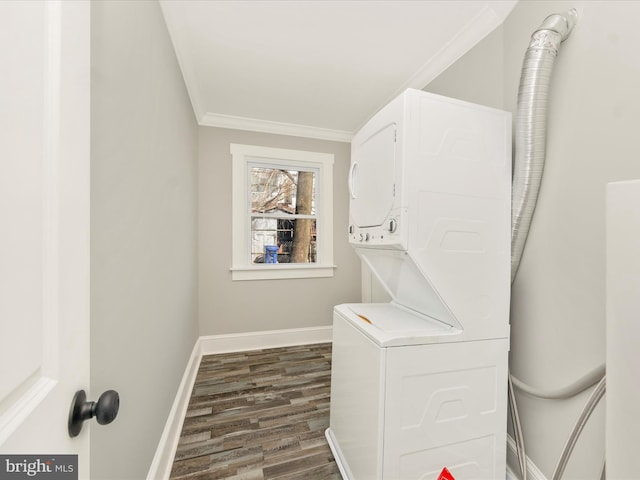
419	384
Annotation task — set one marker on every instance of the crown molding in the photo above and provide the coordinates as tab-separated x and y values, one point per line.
278	128
488	19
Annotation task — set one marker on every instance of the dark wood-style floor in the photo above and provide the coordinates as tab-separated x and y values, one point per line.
259	415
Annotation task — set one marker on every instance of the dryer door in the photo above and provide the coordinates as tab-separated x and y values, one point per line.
372	178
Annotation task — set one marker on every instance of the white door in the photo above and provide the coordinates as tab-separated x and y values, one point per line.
44	224
372	178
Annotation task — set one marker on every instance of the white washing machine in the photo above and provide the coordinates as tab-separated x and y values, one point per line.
419	384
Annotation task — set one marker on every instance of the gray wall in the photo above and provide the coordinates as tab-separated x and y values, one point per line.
558	299
143	231
227	306
478	76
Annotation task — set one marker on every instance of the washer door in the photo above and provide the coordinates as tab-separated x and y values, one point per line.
372	178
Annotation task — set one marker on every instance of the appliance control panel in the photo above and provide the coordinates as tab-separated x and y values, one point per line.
390	234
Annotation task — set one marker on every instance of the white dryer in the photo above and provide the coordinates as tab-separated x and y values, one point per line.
419	384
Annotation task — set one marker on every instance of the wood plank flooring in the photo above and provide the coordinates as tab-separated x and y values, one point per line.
259	415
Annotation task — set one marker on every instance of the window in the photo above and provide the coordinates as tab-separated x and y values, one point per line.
282	213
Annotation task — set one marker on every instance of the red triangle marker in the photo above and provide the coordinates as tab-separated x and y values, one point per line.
445	474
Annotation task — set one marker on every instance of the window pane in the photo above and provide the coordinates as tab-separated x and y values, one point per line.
275	190
283	240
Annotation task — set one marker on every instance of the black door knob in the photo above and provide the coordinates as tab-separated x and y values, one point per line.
105	410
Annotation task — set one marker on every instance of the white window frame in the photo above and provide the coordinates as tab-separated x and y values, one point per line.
242	156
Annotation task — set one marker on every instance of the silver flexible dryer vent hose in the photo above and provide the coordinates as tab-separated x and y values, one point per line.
531	125
530	144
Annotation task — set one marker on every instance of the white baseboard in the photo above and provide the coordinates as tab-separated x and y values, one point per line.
240	342
163	459
160	468
513	466
511	474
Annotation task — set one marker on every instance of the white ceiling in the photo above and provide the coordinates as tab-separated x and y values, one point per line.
317	68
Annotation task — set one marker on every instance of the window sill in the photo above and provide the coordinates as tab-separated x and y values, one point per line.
282	271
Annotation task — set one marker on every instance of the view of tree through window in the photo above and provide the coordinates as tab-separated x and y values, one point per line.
283	215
